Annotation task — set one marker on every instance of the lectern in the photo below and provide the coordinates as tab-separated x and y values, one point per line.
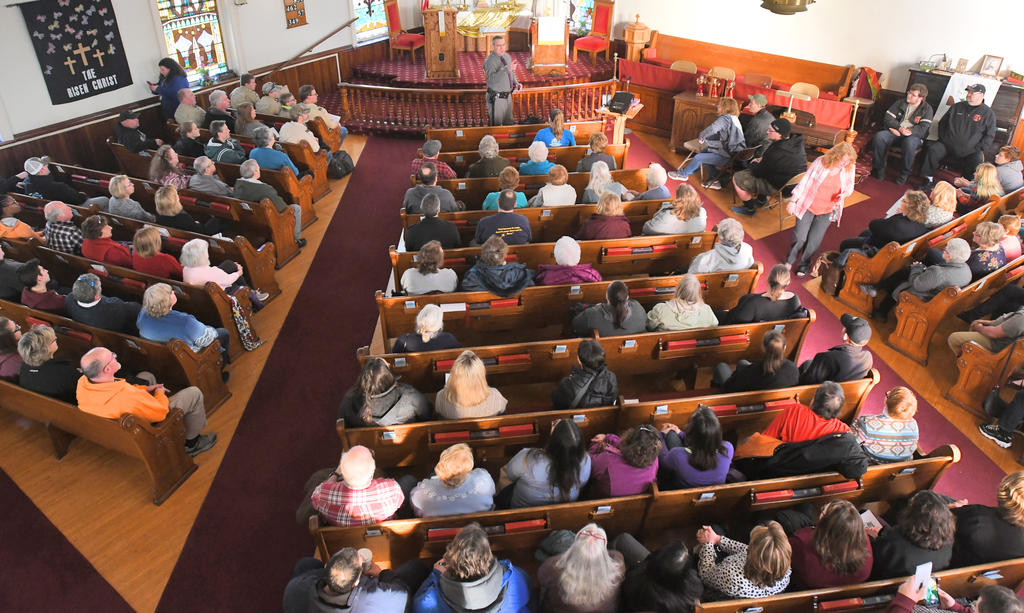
441	52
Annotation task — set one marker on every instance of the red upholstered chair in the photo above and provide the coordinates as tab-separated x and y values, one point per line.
600	35
397	37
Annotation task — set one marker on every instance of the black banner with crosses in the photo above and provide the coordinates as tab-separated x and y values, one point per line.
78	46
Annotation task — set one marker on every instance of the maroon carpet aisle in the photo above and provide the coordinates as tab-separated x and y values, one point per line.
42	571
975	477
240	552
403	73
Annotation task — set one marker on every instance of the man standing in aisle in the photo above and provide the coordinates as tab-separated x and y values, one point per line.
501	83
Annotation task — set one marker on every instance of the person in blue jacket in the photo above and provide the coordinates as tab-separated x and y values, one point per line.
469	579
172	80
555	135
266	156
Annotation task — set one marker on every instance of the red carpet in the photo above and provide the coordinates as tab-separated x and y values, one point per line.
403	73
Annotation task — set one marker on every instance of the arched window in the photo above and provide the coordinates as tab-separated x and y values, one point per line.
192	36
371	23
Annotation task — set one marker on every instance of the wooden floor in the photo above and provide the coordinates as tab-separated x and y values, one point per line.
94	494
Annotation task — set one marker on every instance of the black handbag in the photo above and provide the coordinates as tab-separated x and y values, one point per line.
993	404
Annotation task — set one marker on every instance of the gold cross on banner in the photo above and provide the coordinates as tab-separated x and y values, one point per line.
70	63
99	56
82	51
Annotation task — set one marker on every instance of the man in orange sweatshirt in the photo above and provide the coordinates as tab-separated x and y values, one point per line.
100	393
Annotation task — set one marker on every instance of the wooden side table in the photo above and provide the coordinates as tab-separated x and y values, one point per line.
637	35
690	114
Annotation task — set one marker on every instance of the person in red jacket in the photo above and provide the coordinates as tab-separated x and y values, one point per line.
567	267
97	244
147	258
607	222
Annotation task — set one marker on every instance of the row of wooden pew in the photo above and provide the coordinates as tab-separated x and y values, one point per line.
569	157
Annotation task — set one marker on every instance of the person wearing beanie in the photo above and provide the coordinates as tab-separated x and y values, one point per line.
783	159
567	267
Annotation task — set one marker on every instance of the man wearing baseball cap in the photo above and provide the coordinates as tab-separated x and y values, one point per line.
127	133
907	123
847	362
965	132
756	132
430	150
784	159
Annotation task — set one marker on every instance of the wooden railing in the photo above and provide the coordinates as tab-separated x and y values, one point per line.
379	108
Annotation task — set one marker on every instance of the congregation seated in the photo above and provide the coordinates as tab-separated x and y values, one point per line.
187	110
987	534
556	192
427	184
170	213
1011	242
352	497
1009	168
992	334
166	169
924	281
892	435
624	465
972	194
506	224
617	315
87	304
774	371
245	92
455	488
468	578
39	181
37	292
664	580
776	304
556	134
737	570
656	178
799	423
10	359
730	253
685	214
432	228
128	134
508	179
991	599
309	96
245	120
719	142
908	224
267	156
205	178
490	163
696	456
924	533
41	372
221	147
159	322
249	187
350	581
97	243
10	281
99	392
595	153
987	255
429	275
379	399
589	383
607	222
429	335
554	474
783	159
538	164
430	151
147	257
196	270
846	362
12	227
188	143
466	394
60	232
121	203
296	131
601	182
218	111
567	267
492	273
834	551
585	578
684	311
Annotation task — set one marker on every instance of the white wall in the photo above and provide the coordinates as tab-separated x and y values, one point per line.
887	35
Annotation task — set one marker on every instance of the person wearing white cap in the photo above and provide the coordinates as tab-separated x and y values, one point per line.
567	267
40	181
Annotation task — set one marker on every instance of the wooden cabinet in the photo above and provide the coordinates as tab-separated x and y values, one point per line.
691	114
441	37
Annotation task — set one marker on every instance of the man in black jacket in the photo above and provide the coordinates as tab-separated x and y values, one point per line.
432	228
40	181
784	159
590	384
965	132
846	362
10	284
127	133
87	304
907	123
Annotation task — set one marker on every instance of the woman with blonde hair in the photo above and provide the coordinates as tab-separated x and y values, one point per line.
429	274
985	185
683	215
757	570
121	203
987	256
555	135
490	163
508	178
455	488
943	205
159	322
601	182
429	335
834	552
988	534
608	222
585	578
147	257
166	169
379	399
817	201
776	304
684	311
720	141
43	373
466	393
892	435
538	164
557	192
595	153
170	213
1011	240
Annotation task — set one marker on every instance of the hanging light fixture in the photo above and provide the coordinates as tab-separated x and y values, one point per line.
786	7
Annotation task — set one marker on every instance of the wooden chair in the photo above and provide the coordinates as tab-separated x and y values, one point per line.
600	35
741	156
398	38
781	197
807	89
722	72
684	66
759	80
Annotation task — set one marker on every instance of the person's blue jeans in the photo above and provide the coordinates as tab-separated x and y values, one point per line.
297	210
884	139
714	160
344	132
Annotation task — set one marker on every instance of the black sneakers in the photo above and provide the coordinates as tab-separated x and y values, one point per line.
204	442
999	436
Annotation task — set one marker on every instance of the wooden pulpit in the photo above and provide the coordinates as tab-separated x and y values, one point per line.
441	45
548	54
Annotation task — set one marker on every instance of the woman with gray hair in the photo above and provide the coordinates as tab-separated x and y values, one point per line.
429	335
269	158
567	267
585	578
538	164
924	282
729	253
684	311
41	372
600	182
196	270
295	131
656	178
490	163
206	179
159	322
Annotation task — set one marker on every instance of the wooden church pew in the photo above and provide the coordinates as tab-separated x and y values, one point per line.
566	156
978	371
520	135
473	191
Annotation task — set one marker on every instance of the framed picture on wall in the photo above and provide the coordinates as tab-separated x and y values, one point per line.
990	65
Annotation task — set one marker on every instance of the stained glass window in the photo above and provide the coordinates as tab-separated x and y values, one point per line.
582	17
371	23
192	37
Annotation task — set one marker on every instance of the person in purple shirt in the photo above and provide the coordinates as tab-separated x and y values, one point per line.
626	465
697	457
